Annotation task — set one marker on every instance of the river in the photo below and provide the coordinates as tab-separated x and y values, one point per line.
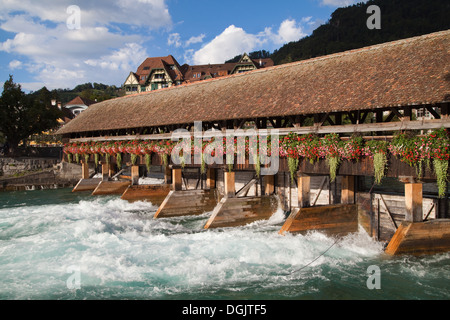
58	245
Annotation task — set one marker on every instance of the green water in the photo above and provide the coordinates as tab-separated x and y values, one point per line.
55	244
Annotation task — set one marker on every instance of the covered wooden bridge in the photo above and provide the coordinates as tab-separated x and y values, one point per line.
353	99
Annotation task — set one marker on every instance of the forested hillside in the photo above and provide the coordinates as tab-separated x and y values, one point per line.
347	28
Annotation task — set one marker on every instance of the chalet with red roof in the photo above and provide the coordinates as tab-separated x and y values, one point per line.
163	72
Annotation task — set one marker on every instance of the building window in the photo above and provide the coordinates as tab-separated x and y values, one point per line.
159	76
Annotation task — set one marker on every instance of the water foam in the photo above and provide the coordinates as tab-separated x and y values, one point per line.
122	252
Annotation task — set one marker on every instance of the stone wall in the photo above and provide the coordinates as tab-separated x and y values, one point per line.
37	173
13	166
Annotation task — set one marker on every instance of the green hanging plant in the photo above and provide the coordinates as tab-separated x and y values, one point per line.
183	161
119	160
148	160
293	165
69	157
107	158
440	151
333	163
165	159
332	144
378	150
86	157
133	159
77	158
96	159
203	165
379	166
229	162
257	162
441	169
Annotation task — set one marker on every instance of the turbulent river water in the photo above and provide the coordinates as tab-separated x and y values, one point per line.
55	244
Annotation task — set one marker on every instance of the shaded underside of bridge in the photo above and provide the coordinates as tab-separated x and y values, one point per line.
336	93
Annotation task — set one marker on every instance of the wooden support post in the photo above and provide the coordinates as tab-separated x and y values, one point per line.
167	175
177	179
413	201
230	187
134	175
112	170
269	186
304	190
348	190
84	170
211	178
105	171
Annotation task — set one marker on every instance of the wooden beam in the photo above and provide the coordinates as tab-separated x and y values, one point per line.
167	175
84	170
244	190
389	212
177	179
105	171
134	175
433	112
230	188
211	178
348	190
269	187
304	191
413	201
322	184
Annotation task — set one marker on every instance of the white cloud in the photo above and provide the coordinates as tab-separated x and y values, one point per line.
289	31
193	40
149	13
15	64
231	42
110	39
174	40
123	59
234	41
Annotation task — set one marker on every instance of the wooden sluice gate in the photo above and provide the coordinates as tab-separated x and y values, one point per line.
338	219
152	193
419	238
234	212
87	185
182	201
238	209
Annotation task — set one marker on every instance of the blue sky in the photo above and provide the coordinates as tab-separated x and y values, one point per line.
42	43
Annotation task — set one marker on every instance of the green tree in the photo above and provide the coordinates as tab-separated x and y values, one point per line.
22	115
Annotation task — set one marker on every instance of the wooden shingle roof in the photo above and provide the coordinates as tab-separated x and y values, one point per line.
400	73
